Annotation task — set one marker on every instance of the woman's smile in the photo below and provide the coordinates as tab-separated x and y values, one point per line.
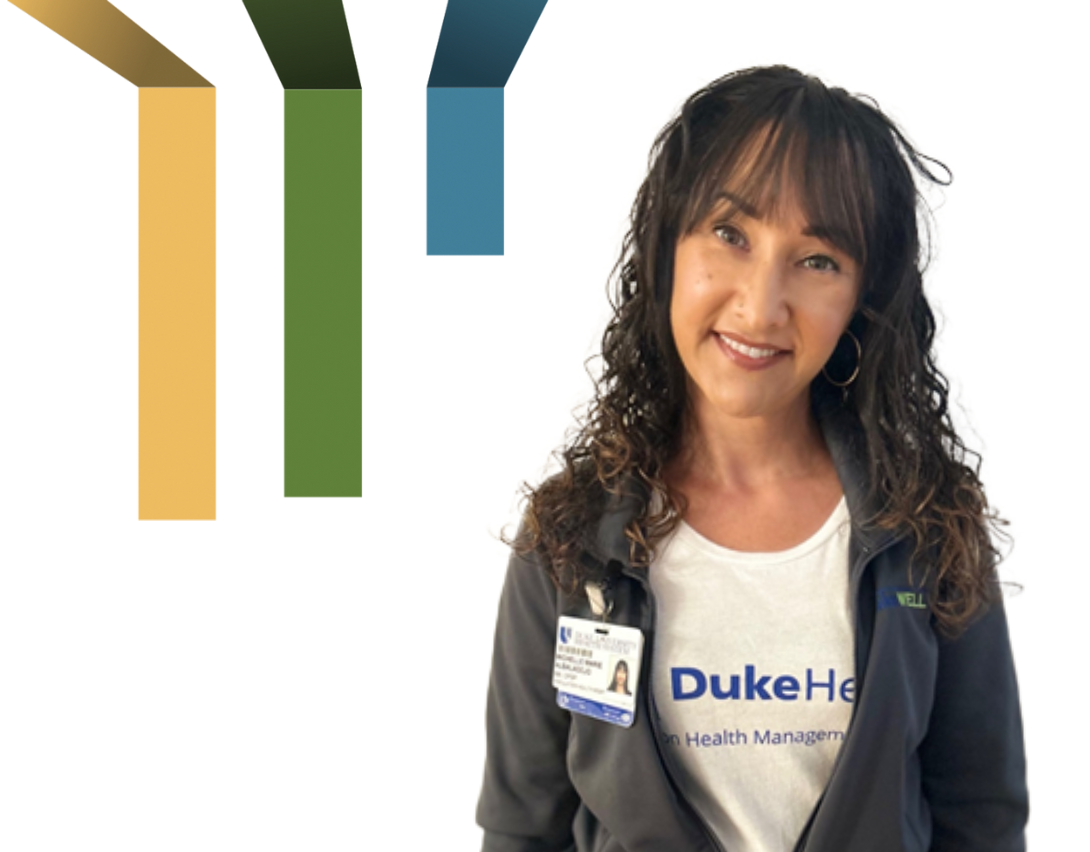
747	355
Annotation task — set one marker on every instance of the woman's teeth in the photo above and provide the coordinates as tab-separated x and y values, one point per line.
748	350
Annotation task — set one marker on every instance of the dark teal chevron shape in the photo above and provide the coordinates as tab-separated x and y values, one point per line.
481	41
479	45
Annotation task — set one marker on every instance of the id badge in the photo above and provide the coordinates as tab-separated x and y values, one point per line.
596	669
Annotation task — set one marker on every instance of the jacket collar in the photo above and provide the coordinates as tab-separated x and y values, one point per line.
847	445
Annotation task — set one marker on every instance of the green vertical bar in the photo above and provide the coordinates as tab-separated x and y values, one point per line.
323	345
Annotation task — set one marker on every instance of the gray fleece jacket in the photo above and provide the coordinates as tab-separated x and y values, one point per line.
933	758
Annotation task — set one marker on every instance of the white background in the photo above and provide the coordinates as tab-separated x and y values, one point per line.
310	673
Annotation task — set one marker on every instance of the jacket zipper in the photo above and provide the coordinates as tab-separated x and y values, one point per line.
664	759
855	583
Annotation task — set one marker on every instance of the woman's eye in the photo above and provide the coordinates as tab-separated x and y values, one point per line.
822	263
730	235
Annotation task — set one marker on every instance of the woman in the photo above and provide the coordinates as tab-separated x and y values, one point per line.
619	682
769	488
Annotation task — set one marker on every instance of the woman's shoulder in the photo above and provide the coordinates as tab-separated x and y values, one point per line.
575	526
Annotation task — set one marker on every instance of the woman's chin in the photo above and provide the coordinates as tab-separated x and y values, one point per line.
743	406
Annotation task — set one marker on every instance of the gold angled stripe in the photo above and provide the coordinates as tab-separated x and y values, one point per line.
112	38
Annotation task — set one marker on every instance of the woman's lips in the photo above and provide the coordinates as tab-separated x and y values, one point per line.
750	357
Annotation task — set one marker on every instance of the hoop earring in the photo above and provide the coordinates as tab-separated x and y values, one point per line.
858	362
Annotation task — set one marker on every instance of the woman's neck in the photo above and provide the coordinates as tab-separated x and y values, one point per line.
750	453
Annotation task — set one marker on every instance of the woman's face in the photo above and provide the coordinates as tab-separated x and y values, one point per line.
621	677
757	309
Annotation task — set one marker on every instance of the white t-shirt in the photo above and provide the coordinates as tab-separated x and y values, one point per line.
753	678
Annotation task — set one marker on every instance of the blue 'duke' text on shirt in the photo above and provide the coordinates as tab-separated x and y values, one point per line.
690	683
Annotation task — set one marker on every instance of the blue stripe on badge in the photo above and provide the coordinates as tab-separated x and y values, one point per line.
595	709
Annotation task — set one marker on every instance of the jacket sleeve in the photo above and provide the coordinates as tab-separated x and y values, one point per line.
527	802
973	757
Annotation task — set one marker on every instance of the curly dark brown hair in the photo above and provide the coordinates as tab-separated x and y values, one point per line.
851	169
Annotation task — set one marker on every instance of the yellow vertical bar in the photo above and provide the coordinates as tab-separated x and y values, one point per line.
178	304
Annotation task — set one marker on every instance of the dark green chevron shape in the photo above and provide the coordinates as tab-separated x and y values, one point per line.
308	42
311	50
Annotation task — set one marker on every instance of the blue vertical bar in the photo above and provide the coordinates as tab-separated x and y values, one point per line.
465	171
479	45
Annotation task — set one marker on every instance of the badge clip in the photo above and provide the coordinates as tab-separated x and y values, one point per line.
599	606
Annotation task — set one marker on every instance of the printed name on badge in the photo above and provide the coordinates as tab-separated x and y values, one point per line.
596	669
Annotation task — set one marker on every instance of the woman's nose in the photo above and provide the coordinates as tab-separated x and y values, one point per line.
760	298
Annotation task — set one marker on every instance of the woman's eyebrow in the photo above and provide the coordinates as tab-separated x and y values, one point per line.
753	213
837	237
746	208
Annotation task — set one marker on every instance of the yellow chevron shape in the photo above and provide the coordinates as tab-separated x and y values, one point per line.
177	312
112	38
